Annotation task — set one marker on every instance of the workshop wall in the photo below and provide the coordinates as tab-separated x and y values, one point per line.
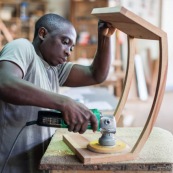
60	7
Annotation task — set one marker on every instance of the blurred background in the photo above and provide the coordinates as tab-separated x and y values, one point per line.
17	18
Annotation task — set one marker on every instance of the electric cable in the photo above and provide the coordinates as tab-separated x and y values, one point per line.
14	143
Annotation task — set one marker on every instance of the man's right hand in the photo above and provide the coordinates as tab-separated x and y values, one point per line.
76	115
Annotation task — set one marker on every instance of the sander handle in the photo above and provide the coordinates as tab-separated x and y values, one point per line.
54	118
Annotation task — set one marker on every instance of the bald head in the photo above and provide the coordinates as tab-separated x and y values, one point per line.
51	22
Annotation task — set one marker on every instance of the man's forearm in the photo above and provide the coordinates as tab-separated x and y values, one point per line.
102	60
19	92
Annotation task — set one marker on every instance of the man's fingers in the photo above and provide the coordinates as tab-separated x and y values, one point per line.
77	128
112	30
105	31
109	31
94	123
70	128
83	127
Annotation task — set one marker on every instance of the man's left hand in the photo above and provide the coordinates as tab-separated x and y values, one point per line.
106	28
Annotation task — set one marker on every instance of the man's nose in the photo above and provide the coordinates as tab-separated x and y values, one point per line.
68	52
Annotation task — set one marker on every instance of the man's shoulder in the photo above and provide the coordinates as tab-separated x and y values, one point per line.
21	42
19	45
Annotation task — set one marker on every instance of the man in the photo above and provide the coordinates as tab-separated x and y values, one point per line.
30	75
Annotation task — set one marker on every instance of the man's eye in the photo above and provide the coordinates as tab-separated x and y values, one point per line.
66	41
72	48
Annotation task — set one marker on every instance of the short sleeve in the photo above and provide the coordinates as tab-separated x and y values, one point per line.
20	52
63	72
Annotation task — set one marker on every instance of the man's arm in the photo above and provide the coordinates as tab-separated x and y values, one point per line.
15	90
99	69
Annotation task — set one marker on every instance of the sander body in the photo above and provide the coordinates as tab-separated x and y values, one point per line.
106	124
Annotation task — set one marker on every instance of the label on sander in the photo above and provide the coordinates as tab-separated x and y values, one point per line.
53	118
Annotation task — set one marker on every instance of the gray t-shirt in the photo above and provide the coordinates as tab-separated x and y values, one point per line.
34	139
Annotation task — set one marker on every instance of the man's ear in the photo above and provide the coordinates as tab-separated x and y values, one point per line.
42	33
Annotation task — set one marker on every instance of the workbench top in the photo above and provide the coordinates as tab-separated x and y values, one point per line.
156	155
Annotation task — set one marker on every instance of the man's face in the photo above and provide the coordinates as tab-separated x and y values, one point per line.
57	46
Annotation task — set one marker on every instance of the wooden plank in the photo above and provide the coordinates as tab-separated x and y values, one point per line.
78	144
128	22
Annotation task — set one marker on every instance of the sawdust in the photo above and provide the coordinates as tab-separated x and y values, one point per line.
58	148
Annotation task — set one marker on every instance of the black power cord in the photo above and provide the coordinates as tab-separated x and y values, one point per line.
14	143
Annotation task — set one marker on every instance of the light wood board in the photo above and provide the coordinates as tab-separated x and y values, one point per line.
128	22
78	144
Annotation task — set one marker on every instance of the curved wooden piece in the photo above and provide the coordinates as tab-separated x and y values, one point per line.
128	78
161	82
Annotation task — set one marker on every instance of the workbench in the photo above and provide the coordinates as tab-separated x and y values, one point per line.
156	155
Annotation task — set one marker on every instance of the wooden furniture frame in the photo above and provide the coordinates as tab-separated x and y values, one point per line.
136	27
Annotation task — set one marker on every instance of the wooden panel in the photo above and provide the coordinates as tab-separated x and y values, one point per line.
128	22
